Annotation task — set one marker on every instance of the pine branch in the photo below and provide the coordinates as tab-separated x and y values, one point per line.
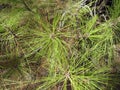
27	7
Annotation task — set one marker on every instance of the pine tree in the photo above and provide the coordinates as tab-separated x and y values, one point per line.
59	45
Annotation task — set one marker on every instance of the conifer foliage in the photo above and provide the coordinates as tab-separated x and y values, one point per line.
59	44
